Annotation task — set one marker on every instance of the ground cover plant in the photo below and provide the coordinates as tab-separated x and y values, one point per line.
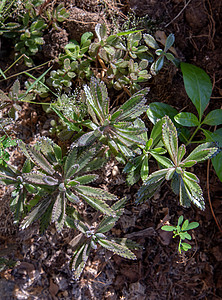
56	185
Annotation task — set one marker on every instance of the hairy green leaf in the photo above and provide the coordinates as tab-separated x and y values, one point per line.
170	139
40	160
98	204
117	248
202	152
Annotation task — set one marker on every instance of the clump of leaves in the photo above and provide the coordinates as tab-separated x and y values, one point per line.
31	39
199	88
116	54
115	129
183	183
59	185
93	236
62	78
181	231
162	54
121	59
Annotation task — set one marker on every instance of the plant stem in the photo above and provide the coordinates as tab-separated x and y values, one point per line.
193	135
13	63
45	63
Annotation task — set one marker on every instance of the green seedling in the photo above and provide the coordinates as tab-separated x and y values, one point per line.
181	231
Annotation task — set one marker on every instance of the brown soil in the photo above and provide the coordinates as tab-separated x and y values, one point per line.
159	272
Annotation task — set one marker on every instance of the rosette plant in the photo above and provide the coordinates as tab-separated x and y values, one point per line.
115	129
56	182
183	183
90	237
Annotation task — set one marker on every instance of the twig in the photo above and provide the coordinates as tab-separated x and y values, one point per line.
208	194
178	14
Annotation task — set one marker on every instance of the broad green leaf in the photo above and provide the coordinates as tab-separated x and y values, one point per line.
179	188
86	36
169	42
217	163
191	176
81	226
57	207
108	222
78	263
133	101
188	164
157	110
185	246
180	221
159	63
159	52
72	171
165	161
150	41
72	197
192	225
185	224
168	228
198	86
37	212
186	119
216	136
50	180
92	99
214	117
87	139
185	235
130	137
156	132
